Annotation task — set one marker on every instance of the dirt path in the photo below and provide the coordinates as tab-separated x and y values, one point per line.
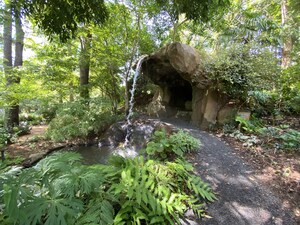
32	147
242	198
35	131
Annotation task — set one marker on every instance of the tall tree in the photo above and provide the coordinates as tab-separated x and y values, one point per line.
62	19
15	79
84	63
7	57
287	38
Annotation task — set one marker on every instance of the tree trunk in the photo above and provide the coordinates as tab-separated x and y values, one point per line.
14	110
84	65
287	39
7	56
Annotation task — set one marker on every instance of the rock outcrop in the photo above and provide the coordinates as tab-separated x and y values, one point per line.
183	86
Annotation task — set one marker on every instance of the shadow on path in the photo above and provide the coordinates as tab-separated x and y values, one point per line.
242	199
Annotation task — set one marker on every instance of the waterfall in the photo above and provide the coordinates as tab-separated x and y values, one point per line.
131	102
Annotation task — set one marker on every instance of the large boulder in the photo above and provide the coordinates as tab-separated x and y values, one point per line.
173	63
183	86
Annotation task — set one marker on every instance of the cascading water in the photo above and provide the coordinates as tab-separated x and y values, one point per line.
131	102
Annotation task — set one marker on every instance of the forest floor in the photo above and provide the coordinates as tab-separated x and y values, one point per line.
32	147
280	171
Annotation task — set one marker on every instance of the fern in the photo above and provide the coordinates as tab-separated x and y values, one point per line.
154	192
59	190
56	191
99	212
79	181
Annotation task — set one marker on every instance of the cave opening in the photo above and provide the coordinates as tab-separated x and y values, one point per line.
181	95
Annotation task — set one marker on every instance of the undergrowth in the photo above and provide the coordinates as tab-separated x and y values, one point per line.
163	146
60	190
253	132
79	120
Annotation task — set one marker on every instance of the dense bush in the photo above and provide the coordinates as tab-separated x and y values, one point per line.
32	118
77	119
264	102
7	137
60	190
290	88
242	68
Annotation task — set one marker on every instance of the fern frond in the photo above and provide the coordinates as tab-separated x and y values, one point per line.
99	211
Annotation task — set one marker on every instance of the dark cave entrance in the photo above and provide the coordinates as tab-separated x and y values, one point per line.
181	95
177	92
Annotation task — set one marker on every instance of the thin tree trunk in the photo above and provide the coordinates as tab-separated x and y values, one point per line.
287	39
84	65
7	56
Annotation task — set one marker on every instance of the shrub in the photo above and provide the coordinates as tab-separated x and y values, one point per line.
77	119
4	136
240	69
31	118
250	126
176	145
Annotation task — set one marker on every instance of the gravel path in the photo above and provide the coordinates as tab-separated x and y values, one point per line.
242	199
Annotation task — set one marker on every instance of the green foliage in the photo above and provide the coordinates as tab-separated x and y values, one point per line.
290	89
4	136
153	192
77	119
263	102
60	190
248	140
55	191
253	132
9	161
31	118
63	18
203	10
242	69
249	126
282	138
8	137
163	146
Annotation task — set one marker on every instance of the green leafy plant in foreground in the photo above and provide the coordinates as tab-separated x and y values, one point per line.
163	146
154	192
60	190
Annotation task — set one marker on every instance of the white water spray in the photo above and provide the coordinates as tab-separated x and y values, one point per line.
131	102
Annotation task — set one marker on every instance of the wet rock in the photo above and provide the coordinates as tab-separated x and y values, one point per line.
113	136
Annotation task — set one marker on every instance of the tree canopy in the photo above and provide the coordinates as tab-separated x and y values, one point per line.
62	18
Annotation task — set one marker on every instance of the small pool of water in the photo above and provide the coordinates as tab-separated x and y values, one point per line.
100	155
94	154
